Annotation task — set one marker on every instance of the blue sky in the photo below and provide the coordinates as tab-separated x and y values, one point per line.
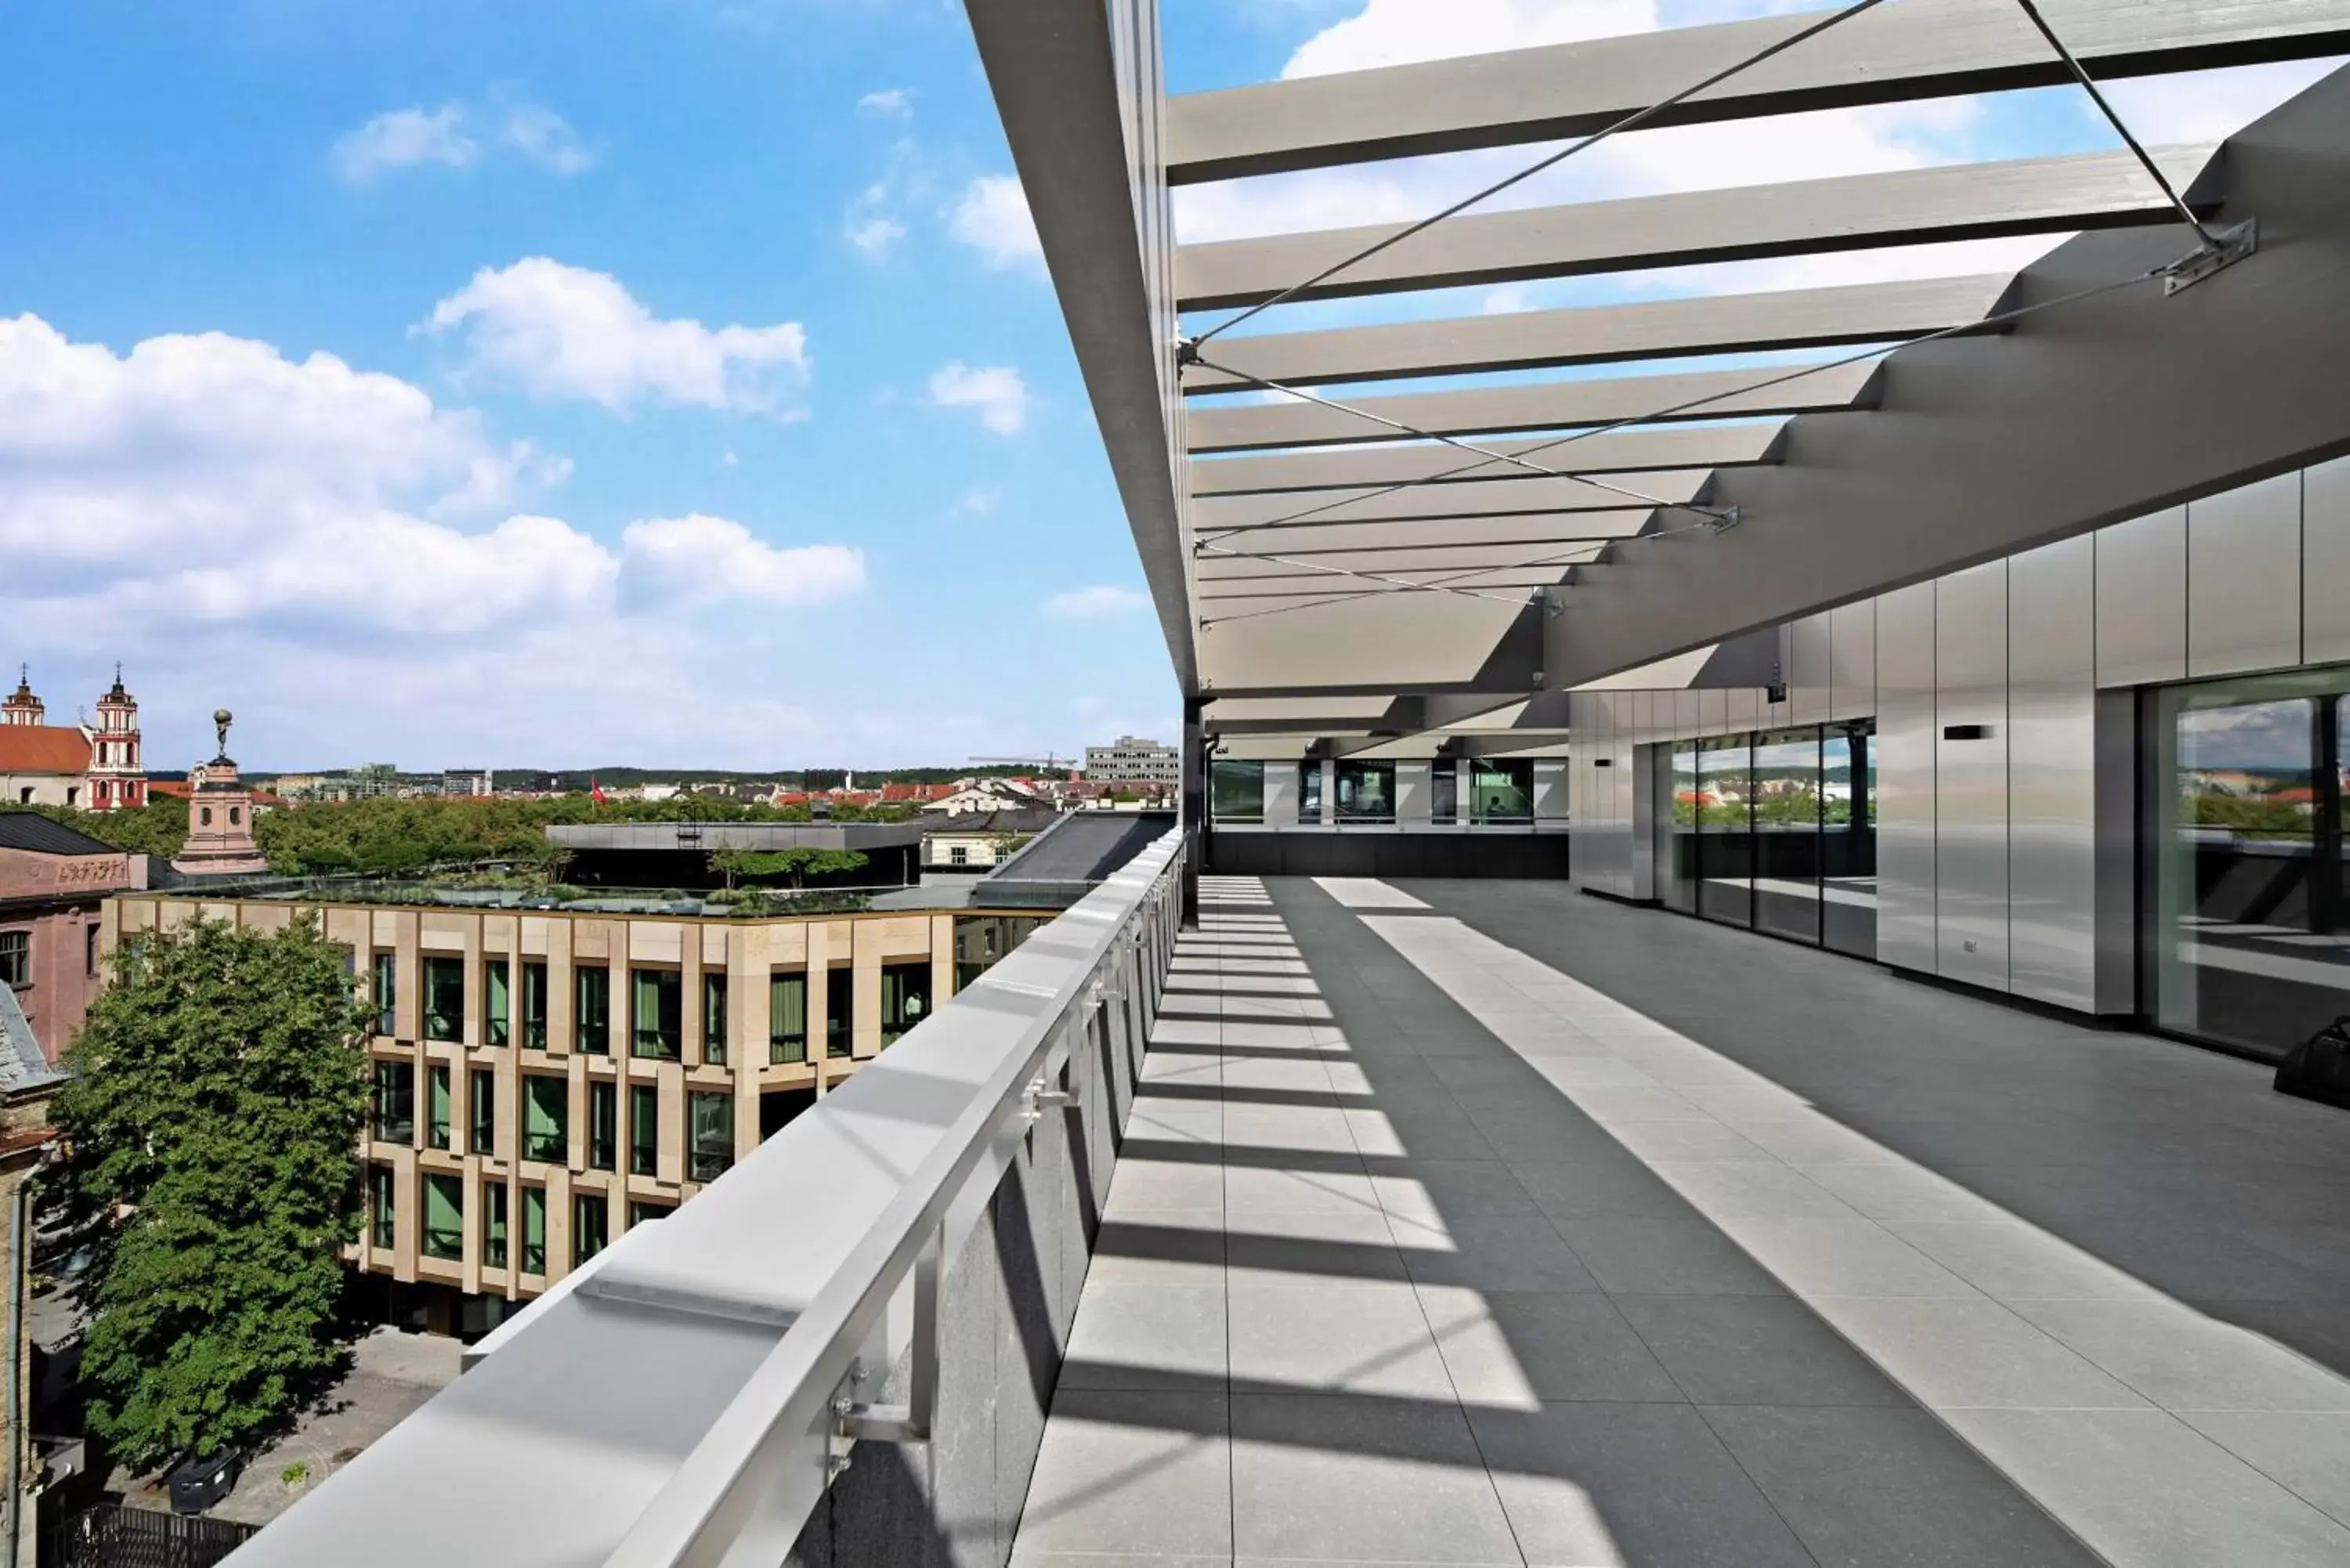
634	381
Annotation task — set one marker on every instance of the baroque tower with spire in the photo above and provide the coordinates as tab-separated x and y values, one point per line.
117	777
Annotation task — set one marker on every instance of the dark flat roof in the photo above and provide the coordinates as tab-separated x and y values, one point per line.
31	831
1083	847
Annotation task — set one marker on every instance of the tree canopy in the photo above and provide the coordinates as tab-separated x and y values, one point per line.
793	864
212	1131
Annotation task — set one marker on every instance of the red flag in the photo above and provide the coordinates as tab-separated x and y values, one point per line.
595	791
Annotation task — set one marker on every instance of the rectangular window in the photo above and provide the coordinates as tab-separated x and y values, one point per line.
89	952
534	1230
839	1006
603	1125
444	1215
15	957
485	1109
1725	830
643	1213
533	1006
644	1129
444	999
1444	790
591	1226
1309	792
1367	792
710	1125
714	1018
439	1108
493	1224
1235	790
395	1102
1786	841
383	1216
905	997
497	1005
1501	790
959	854
788	1016
545	1107
387	993
592	1010
1848	838
660	1008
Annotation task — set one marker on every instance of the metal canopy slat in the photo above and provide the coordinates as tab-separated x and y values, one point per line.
1549	405
1589	335
1916	49
1853	212
1707	446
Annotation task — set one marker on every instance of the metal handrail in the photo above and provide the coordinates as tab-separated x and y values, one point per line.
743	1474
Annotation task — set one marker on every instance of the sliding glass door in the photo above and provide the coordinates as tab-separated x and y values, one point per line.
1849	838
1787	834
1776	831
1725	829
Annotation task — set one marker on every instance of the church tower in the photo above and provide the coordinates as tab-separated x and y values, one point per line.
21	707
117	778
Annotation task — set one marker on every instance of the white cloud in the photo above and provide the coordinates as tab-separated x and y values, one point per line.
699	559
1397	32
404	137
981	501
2205	106
1095	603
992	218
547	140
869	227
566	332
205	485
995	390
886	103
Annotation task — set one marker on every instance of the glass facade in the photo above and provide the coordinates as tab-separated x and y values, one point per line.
383	1217
788	1016
1776	831
485	1109
710	1131
905	997
979	941
497	1005
592	1009
386	977
714	1018
533	1006
2248	941
1309	792
534	1230
444	999
1235	790
659	1002
644	1129
546	1109
1366	792
444	1215
1444	790
395	1102
1501	790
603	1125
839	1005
440	1107
493	1224
591	1225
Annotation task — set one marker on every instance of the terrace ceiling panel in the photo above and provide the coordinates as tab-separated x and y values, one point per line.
1544	406
1220	569
1381	642
1218	514
1853	212
1538	528
1707	446
1590	335
1916	49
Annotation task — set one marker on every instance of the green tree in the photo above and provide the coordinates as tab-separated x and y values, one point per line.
159	827
794	864
212	1131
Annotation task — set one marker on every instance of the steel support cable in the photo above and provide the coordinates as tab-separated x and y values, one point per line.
1998	318
1632	121
1332	404
1393	583
2113	118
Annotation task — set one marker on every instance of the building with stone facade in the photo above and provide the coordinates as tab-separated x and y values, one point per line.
53	882
546	1078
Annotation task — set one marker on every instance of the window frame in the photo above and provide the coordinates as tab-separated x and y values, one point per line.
714	1001
481	1111
664	1039
440	1025
16	958
786	1047
441	1182
709	1152
534	1141
495	1232
591	1037
603	1124
391	1090
644	1129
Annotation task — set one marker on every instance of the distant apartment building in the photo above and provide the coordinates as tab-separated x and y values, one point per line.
468	781
93	767
1133	760
980	840
546	1078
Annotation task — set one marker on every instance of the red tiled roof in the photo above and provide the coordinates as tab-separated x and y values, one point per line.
42	749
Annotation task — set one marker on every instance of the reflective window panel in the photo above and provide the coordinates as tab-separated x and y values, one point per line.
1366	792
1848	838
2248	943
1786	853
1235	790
1680	892
1725	849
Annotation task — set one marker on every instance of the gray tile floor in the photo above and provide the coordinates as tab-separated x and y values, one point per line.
1480	1222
